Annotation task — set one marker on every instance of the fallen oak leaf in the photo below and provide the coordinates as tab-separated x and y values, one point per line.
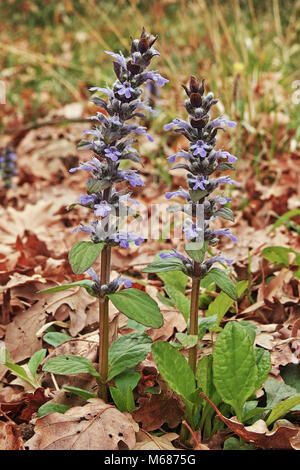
95	426
157	410
279	438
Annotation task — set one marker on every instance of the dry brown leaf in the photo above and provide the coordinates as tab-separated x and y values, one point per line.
21	339
95	426
279	438
173	321
147	442
157	410
10	437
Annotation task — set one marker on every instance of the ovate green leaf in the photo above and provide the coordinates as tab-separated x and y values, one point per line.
175	279
68	365
35	361
174	369
223	281
165	265
182	302
55	338
83	255
80	392
85	283
263	363
47	408
126	352
138	306
234	366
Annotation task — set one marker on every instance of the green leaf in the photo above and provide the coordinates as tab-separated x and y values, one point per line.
165	265
123	400
94	185
17	370
198	194
263	363
127	379
277	391
234	366
138	306
182	302
223	302
196	250
232	443
291	375
134	325
47	408
87	284
204	375
126	352
284	218
282	408
225	213
219	306
224	282
187	341
68	365
174	369
175	279
204	324
83	255
251	328
122	393
35	361
277	254
80	392
56	338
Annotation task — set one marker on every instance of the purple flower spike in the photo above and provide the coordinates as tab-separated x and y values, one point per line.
173	254
218	259
132	177
118	57
83	228
91	272
126	89
226	233
143	131
112	153
180	192
200	148
127	282
227	180
176	122
156	77
199	182
223	122
222	200
191	230
182	153
102	209
86	199
222	154
123	238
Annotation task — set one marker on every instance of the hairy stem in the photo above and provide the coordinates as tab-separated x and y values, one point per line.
194	316
104	324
